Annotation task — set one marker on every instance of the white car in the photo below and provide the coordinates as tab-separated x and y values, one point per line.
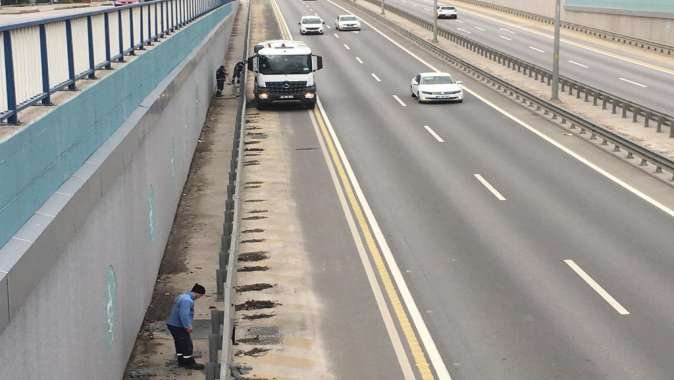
347	22
311	25
436	87
447	11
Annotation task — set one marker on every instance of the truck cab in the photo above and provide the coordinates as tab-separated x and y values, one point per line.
284	73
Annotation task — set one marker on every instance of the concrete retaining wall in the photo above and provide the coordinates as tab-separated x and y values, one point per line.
76	279
654	29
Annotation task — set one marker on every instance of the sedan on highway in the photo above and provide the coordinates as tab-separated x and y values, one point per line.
311	25
347	22
436	87
447	11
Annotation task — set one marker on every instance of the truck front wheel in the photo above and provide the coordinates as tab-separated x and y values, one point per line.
310	105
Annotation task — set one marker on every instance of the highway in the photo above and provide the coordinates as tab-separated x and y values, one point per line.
523	261
35	16
645	84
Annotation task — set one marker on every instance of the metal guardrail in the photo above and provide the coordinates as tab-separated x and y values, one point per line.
600	33
620	143
222	335
40	57
628	108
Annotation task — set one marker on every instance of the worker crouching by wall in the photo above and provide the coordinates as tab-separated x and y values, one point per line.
180	325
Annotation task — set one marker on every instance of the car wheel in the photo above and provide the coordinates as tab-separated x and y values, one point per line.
412	93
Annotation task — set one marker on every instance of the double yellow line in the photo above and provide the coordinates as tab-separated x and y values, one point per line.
391	291
384	276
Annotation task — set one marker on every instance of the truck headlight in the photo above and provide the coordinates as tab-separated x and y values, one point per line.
263	95
309	95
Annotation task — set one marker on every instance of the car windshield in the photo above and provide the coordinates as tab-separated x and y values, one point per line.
311	20
437	79
285	64
447	8
348	18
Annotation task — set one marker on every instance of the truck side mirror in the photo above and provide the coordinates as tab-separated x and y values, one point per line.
257	48
252	63
316	62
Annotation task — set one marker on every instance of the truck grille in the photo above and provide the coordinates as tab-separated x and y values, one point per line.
286	88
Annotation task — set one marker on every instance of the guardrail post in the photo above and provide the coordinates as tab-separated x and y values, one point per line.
141	46
161	11
171	18
44	59
106	27
71	56
90	37
156	22
120	36
9	78
131	39
149	26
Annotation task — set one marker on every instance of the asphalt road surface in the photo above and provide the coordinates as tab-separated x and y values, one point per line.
524	262
644	85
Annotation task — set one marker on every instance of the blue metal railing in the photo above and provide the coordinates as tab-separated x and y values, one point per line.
41	57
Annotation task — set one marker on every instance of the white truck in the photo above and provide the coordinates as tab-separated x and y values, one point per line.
284	73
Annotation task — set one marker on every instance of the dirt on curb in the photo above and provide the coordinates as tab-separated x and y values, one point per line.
192	249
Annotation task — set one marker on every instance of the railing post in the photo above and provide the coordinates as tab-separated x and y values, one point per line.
44	59
106	27
71	56
9	77
120	36
142	25
156	22
131	37
161	11
90	36
149	25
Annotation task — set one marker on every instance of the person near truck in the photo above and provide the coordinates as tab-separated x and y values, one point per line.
238	70
221	78
180	325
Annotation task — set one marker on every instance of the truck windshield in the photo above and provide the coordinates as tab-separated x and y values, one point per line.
285	64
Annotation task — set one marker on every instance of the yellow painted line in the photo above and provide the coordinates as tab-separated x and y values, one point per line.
389	287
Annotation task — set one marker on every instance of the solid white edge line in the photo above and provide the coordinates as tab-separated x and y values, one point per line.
536	49
359	60
375	77
399	101
432	133
536	132
579	64
597	288
489	187
408	300
632	82
384	310
347	47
